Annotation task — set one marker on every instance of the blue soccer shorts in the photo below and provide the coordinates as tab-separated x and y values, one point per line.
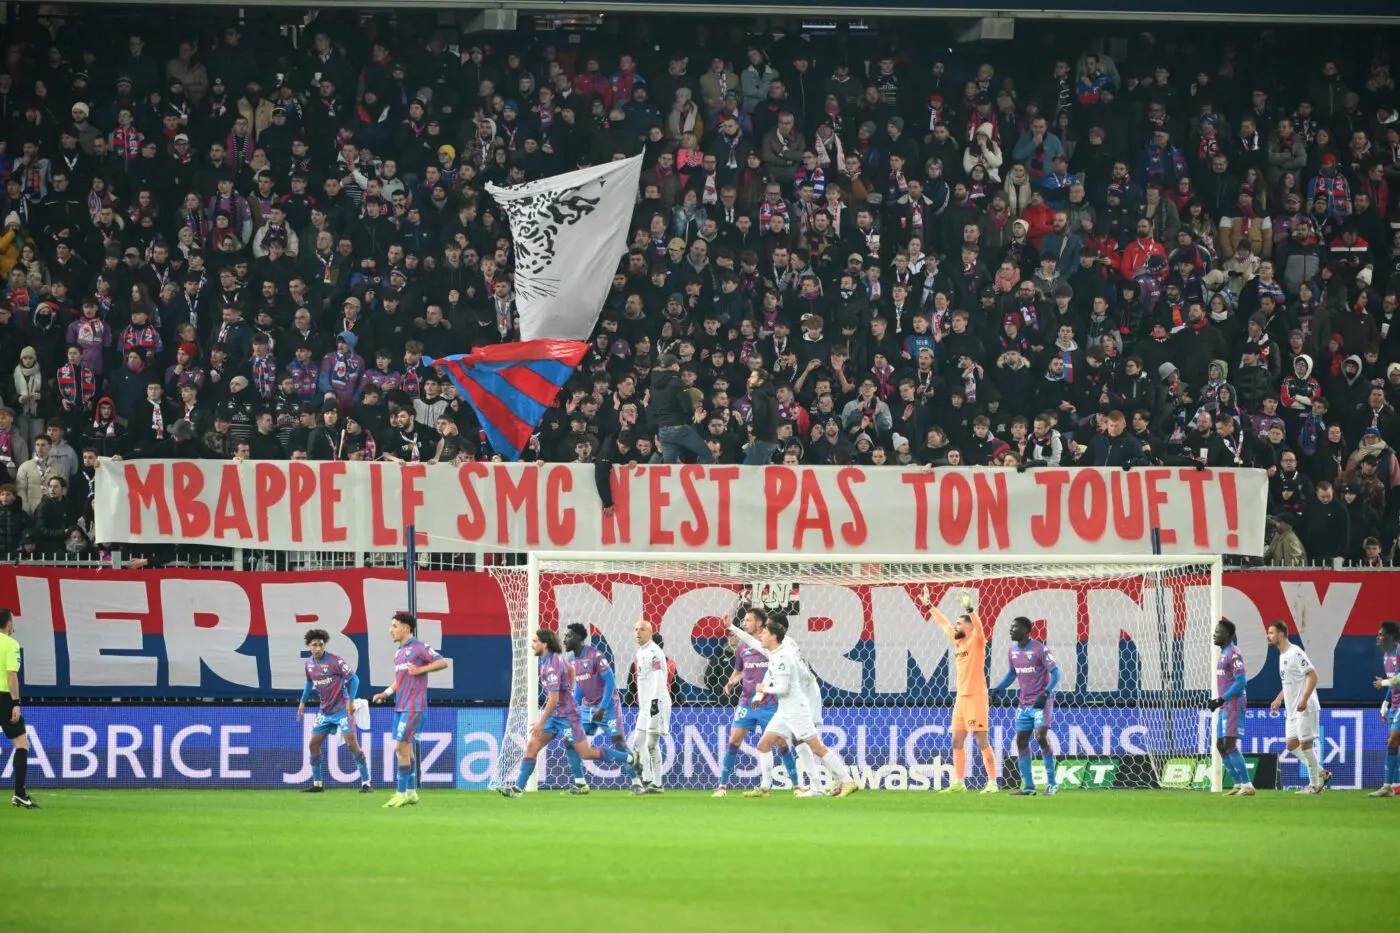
406	725
609	726
754	719
1028	718
337	723
568	728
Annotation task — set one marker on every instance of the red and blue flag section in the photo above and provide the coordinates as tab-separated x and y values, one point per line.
512	385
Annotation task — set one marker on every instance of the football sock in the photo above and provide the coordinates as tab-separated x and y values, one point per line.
989	761
1241	769
410	777
1023	762
836	766
21	765
789	764
1049	760
731	760
959	763
575	763
765	763
1392	766
527	768
654	752
405	781
809	762
1309	757
362	765
614	755
316	768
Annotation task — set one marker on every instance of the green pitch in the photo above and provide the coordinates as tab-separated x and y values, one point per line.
267	862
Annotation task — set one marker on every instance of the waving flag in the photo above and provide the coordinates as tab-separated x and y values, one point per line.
570	231
511	385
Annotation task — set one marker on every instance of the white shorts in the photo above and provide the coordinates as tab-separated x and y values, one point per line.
660	723
1303	726
795	724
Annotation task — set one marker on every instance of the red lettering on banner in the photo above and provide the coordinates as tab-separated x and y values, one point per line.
812	514
1088	505
512	497
189	483
1196	480
1127	506
954	507
1156	499
991	510
779	489
724	478
230	512
694	533
656	535
854	532
617	524
558	518
412	498
145	489
380	533
471	523
269	486
1232	510
302	479
920	483
1045	527
331	494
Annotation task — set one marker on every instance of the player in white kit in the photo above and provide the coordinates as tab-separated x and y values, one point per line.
653	709
1299	696
791	681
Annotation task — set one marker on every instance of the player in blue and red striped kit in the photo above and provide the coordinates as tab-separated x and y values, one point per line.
1230	701
1388	638
559	717
1034	669
413	662
752	715
595	694
334	683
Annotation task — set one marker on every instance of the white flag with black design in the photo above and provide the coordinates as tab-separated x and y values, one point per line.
570	231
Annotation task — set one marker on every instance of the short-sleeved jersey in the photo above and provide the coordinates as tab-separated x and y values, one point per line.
330	676
557	678
1032	665
9	661
752	665
1230	665
411	690
1293	667
1391	660
970	657
590	665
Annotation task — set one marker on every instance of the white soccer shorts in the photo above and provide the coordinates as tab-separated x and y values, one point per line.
795	724
660	723
1303	726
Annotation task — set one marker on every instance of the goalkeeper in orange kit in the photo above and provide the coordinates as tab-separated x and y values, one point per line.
971	707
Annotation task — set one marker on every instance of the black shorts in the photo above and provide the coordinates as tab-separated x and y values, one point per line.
12	730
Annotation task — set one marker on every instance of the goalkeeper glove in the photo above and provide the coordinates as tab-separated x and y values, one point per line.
965	600
1214	703
655	707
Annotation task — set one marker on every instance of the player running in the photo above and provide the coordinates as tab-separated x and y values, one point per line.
750	666
559	717
790	680
1389	640
335	684
1230	703
413	662
653	708
1299	692
595	694
970	709
1034	669
11	721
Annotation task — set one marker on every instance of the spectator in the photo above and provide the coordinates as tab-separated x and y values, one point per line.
1286	549
1328	526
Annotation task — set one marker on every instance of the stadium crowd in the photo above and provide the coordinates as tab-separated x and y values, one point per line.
225	247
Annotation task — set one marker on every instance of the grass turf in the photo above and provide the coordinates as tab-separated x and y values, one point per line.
156	861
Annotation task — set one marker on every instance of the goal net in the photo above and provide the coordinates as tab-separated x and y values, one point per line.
1132	639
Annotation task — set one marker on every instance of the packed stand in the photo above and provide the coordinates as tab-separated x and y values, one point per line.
220	249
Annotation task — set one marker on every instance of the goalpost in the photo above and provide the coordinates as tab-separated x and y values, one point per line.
1132	636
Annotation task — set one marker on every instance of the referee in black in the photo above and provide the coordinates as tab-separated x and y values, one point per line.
11	722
